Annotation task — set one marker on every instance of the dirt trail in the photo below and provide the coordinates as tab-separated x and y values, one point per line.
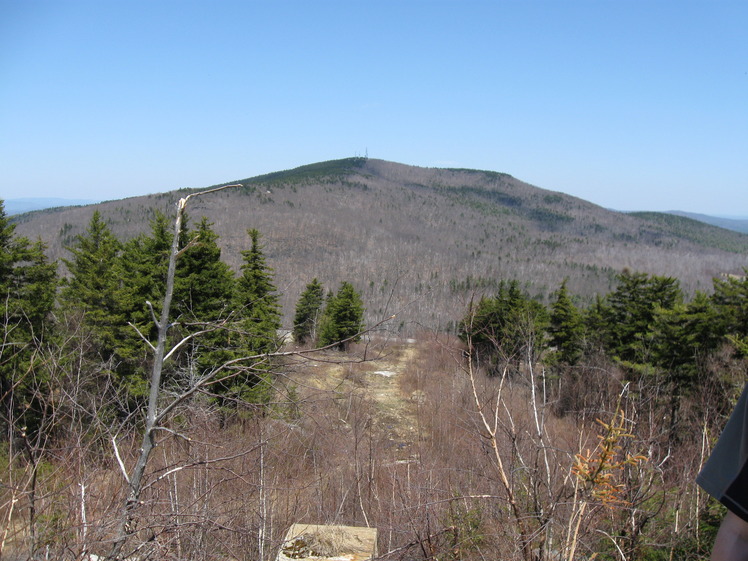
395	417
379	382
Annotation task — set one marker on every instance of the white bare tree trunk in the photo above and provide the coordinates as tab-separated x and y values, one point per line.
135	479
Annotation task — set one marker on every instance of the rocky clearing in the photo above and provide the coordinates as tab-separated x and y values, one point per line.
379	384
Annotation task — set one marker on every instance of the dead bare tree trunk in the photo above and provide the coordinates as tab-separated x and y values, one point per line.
135	479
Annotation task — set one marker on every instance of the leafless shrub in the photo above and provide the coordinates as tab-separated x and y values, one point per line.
228	487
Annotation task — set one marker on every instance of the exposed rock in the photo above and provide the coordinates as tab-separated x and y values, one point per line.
328	543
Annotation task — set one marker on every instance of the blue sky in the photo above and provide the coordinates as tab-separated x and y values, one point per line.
633	105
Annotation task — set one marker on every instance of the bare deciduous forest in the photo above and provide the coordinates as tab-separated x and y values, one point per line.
437	235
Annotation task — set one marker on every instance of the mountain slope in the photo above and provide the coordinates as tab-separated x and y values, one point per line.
738	225
422	241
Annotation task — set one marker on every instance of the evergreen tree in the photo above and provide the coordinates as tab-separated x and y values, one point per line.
92	287
308	310
141	269
595	324
525	321
730	298
9	248
203	292
343	318
204	284
683	337
257	300
482	326
142	272
566	328
36	287
503	329
28	284
259	319
632	309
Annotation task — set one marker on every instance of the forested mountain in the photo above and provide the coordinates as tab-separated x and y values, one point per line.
420	241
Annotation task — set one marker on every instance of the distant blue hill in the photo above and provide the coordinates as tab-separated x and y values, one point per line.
734	224
19	206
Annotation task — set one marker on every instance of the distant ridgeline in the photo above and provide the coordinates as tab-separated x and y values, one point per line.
736	224
19	206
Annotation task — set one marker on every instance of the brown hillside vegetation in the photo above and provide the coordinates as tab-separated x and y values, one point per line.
397	444
421	241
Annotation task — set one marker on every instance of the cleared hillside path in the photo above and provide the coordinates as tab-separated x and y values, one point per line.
395	411
394	420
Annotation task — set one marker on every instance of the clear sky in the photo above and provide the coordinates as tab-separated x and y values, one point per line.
633	105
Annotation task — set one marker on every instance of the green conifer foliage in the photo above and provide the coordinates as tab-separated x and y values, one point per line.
594	319
504	328
308	311
204	284
482	326
731	300
141	269
682	337
257	300
343	317
203	293
258	313
92	287
566	328
28	284
632	309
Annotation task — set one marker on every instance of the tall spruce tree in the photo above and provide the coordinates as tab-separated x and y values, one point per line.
481	327
203	292
631	313
503	328
308	312
595	326
28	284
683	336
91	290
204	284
256	305
141	269
565	328
730	298
257	299
343	318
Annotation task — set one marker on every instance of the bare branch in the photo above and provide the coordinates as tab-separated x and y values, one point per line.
190	244
153	313
143	337
119	460
197	463
183	202
188	338
173	432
